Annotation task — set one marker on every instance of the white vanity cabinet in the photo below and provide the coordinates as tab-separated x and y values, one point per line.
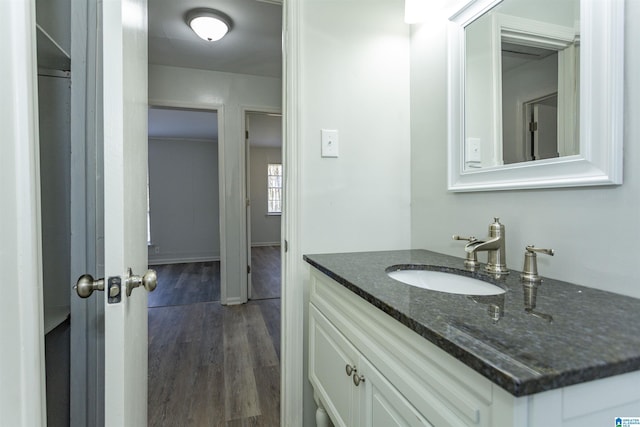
408	381
403	385
353	390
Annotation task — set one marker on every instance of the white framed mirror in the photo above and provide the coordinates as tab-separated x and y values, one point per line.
535	94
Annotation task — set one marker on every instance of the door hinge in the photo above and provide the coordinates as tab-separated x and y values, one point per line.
248	202
286	246
248	269
246	134
533	126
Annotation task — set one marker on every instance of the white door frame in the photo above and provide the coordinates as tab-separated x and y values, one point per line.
22	397
293	322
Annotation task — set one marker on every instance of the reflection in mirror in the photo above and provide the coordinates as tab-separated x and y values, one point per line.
521	83
509	130
535	135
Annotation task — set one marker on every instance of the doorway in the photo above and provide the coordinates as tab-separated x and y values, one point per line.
207	362
183	209
264	190
541	127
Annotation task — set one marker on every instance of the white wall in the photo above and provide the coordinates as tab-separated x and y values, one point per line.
265	229
480	87
593	230
183	197
354	78
227	93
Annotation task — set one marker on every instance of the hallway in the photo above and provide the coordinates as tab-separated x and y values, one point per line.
214	365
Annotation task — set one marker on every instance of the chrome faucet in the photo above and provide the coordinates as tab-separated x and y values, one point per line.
494	245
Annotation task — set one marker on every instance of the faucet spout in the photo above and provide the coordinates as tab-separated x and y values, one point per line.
490	244
494	246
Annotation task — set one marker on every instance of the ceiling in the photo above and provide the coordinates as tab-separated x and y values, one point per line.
253	46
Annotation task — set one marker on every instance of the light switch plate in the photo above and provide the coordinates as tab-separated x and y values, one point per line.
329	143
473	153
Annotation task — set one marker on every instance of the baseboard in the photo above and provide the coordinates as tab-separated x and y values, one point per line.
261	244
233	301
182	260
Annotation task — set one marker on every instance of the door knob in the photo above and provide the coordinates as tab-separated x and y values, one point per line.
86	284
149	281
349	369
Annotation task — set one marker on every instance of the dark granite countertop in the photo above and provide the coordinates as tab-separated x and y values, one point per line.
575	334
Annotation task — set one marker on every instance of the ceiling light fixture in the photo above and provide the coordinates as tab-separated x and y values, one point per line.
209	24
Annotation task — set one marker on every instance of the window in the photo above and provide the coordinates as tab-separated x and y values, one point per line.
274	188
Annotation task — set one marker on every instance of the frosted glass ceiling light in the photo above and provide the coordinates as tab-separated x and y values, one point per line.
208	24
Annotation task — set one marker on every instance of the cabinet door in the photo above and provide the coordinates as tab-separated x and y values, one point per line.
382	404
329	354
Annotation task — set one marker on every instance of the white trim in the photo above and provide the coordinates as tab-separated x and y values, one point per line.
235	301
601	109
529	32
292	343
180	260
22	394
264	244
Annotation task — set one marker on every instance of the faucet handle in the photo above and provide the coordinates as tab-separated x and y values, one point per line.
532	248
530	269
468	239
471	263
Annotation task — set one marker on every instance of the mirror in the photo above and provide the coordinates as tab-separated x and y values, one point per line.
535	94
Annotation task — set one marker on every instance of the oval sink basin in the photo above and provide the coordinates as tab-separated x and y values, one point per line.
445	282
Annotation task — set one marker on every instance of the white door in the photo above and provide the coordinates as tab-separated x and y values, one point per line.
545	139
125	162
124	62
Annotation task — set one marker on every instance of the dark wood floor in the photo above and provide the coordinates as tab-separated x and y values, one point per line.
182	284
213	365
200	281
265	272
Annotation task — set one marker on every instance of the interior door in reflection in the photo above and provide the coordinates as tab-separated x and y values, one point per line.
542	128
